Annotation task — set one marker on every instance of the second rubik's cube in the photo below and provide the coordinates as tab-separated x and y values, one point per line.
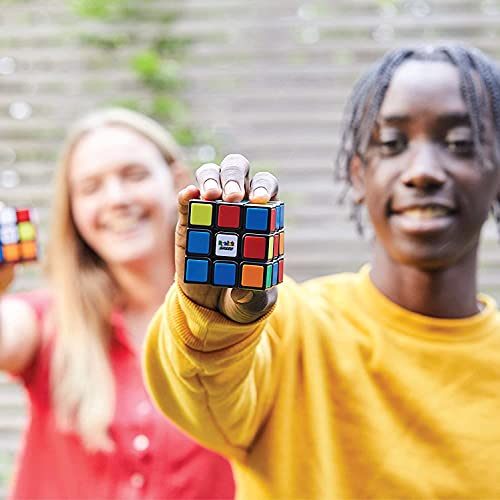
235	244
17	235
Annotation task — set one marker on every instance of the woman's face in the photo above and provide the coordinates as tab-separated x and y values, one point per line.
123	197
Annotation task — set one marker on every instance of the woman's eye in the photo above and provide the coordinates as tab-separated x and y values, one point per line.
462	147
88	187
136	175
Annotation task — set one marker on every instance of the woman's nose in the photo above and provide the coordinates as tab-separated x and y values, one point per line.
115	192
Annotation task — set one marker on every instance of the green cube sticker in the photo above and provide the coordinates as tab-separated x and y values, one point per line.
201	214
26	231
269	274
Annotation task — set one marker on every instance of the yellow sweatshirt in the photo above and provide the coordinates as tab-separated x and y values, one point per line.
336	393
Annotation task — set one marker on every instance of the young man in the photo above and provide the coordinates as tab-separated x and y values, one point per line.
380	384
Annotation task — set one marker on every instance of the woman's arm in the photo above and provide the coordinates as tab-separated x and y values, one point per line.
19	336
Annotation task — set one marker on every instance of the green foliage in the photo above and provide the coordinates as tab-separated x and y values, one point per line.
157	65
106	42
156	72
100	9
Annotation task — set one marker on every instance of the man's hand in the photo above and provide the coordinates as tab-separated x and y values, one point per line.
230	182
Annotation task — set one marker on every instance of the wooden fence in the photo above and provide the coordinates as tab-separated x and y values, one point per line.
268	78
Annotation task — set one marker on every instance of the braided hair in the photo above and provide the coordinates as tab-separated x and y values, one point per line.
368	95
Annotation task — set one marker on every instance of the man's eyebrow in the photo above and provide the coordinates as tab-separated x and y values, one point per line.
451	118
455	119
392	119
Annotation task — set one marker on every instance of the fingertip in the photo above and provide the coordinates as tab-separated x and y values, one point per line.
211	190
211	194
259	195
188	193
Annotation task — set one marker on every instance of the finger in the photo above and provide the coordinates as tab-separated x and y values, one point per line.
208	177
263	187
188	193
234	172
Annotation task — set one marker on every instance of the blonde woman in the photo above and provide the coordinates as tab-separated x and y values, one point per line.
93	432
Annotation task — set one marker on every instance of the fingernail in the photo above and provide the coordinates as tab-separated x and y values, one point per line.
260	192
246	296
210	184
232	187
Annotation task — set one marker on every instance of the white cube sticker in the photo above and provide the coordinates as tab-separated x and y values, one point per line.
8	215
226	245
9	235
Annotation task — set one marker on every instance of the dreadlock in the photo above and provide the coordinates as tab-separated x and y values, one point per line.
368	95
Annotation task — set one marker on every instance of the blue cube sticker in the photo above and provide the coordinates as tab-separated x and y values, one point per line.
275	274
197	270
198	242
257	219
224	274
280	217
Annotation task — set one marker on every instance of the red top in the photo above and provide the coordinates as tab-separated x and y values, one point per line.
153	459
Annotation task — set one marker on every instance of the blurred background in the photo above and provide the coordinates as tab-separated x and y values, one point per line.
267	79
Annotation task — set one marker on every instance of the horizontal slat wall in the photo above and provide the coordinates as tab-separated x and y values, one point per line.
268	79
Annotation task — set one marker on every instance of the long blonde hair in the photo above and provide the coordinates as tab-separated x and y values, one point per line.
81	379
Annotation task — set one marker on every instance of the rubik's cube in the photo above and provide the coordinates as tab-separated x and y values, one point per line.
235	244
17	235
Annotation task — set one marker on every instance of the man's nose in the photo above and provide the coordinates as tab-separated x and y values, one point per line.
425	170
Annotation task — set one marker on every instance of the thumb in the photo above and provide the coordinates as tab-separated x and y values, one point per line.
247	306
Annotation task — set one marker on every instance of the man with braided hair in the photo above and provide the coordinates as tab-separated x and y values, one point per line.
380	384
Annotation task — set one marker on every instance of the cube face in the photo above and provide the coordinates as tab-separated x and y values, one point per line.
234	244
17	235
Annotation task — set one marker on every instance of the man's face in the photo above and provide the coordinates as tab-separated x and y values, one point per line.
425	190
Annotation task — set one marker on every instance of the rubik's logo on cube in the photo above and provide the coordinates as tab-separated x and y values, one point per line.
235	244
17	235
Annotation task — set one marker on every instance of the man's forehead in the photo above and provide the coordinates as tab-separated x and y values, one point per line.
421	85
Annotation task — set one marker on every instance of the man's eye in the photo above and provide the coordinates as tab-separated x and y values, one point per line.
392	146
463	147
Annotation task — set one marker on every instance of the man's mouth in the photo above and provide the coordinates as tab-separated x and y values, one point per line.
426	212
424	218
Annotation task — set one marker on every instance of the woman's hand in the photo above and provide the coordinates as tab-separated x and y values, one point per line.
6	276
230	182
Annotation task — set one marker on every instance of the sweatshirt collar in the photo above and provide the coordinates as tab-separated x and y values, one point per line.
402	320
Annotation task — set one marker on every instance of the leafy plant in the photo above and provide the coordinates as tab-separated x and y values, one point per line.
157	65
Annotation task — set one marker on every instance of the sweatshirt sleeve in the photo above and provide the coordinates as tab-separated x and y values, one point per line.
213	377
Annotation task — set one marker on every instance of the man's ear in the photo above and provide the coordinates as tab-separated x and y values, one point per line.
357	176
181	174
